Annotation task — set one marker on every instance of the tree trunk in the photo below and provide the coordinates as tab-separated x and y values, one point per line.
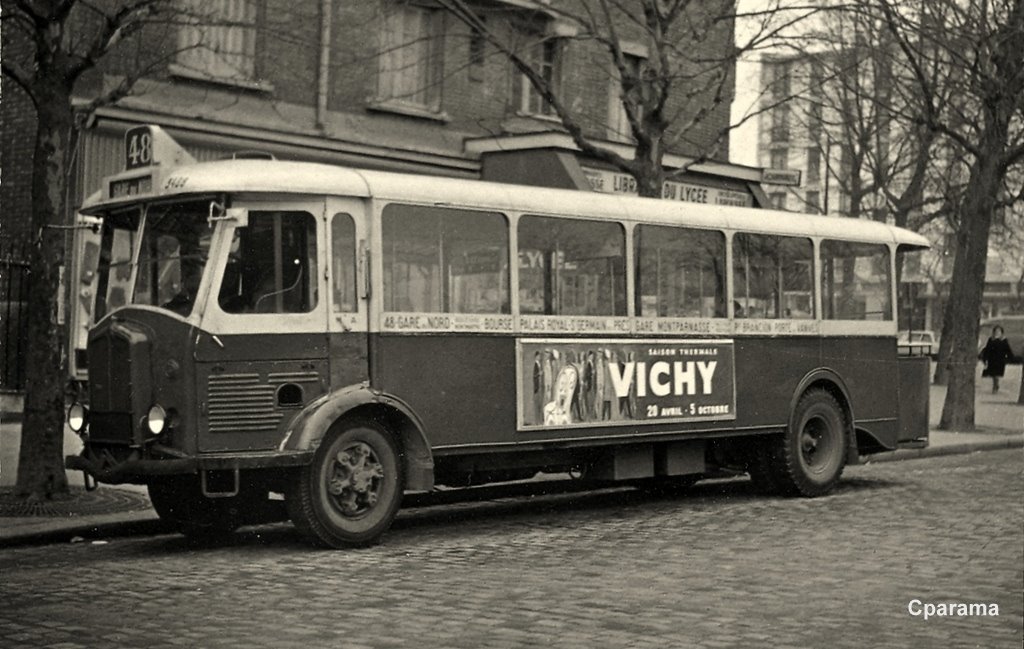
964	306
945	343
41	463
649	173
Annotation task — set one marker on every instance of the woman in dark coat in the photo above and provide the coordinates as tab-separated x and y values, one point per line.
996	354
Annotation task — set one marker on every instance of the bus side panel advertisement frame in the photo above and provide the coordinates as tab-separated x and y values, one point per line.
566	383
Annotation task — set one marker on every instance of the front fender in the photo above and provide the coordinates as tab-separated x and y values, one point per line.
308	428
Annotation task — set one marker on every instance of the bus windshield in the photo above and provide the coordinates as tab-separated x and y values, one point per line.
172	243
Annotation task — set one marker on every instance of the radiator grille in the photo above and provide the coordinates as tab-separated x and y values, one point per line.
240	403
115	427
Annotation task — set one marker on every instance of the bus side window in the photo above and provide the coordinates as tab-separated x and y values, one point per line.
272	265
571	267
855	281
773	277
343	263
444	260
680	272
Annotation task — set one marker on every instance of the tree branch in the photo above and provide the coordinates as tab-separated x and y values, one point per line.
461	11
20	76
127	20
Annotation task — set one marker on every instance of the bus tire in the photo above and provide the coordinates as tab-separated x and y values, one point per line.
350	493
179	501
809	458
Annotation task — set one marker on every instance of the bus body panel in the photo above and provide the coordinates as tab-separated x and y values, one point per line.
869	369
461	386
464	389
250	386
348	358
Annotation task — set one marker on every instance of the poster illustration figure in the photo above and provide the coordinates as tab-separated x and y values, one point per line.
559	411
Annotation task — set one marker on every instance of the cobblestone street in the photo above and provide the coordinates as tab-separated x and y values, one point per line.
716	567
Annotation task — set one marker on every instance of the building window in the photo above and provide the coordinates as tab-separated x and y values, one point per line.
777	200
780	88
545	58
780	159
410	61
618	123
814	202
220	42
815	119
780	123
813	165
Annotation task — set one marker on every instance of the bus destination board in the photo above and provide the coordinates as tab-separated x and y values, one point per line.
131	186
574	382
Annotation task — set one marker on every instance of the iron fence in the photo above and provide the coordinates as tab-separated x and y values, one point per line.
14	268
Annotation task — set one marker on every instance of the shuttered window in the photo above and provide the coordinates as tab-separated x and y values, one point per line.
220	41
409	63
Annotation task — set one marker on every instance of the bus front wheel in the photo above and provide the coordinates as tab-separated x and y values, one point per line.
350	493
809	458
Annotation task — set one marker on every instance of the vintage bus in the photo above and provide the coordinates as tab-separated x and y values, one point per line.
343	337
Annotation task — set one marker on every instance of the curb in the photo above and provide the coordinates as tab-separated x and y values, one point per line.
88	532
951	449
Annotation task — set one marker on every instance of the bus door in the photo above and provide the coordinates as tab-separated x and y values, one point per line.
262	354
348	291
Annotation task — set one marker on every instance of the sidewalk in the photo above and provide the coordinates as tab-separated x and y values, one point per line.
124	509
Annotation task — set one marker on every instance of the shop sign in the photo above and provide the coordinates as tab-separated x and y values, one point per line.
787	177
613	182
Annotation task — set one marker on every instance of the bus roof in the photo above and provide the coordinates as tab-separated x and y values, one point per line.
306	178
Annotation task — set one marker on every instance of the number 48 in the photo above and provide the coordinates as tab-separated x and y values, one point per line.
140	149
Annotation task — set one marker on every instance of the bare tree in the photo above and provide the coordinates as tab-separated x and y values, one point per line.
672	96
50	46
979	105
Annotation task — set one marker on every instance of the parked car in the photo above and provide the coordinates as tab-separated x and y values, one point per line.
918	343
1013	329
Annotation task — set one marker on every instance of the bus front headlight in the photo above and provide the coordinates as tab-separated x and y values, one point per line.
78	415
156	419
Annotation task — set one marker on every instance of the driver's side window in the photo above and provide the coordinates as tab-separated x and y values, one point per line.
272	265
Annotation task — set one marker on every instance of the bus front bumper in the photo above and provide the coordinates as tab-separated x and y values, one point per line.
138	469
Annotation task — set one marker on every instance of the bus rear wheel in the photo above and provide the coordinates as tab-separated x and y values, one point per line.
350	493
809	458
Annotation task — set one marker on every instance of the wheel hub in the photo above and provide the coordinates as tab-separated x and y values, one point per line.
355	479
814	443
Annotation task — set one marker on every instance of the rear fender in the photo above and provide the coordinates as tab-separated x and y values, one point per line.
827	379
310	426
